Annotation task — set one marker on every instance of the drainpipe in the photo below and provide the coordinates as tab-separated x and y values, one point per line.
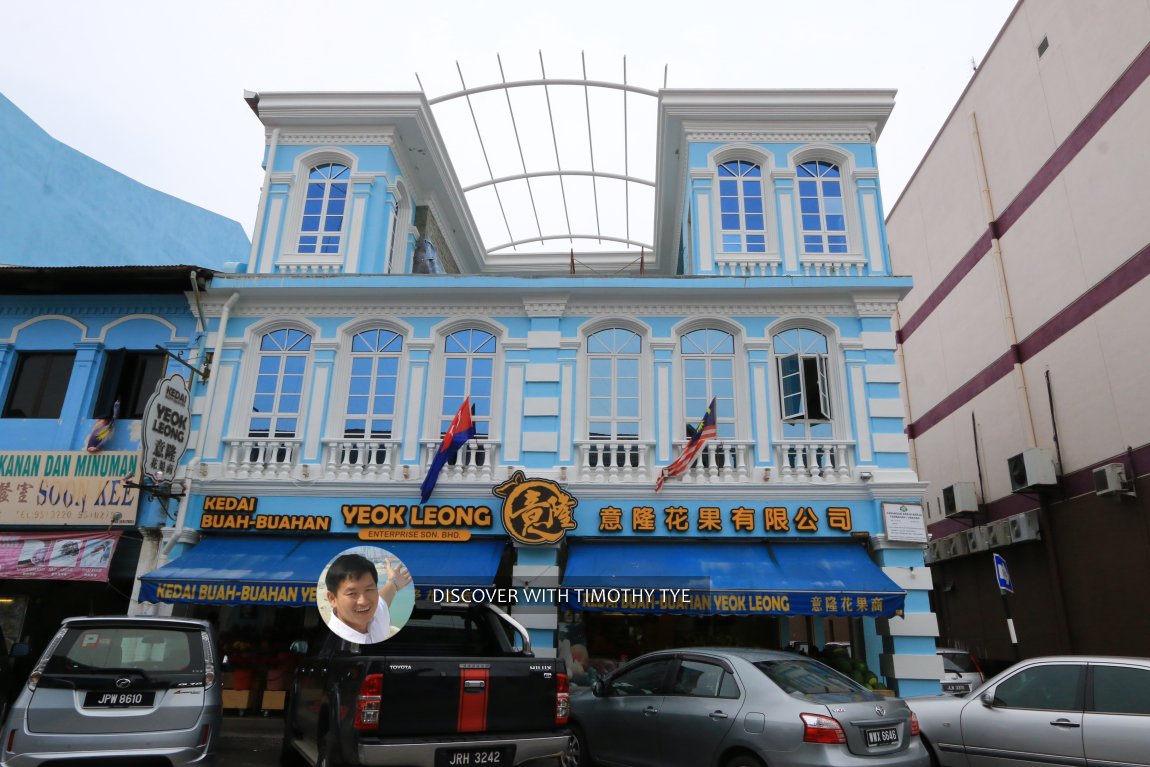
260	223
1003	286
201	437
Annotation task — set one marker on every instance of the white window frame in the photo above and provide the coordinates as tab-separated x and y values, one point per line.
833	369
848	175
437	371
741	394
246	392
342	376
757	156
646	384
290	257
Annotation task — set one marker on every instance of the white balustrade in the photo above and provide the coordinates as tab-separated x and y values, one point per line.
748	266
718	462
475	461
361	459
613	460
828	267
261	457
814	460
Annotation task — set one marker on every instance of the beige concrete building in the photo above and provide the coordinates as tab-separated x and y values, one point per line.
1026	339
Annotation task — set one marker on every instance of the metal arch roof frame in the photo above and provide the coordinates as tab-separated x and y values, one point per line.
494	183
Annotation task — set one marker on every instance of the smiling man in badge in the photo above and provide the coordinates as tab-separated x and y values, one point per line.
360	605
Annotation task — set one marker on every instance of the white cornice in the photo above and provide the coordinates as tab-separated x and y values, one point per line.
790	137
385	138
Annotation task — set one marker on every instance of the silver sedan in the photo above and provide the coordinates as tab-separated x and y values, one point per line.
702	707
1065	710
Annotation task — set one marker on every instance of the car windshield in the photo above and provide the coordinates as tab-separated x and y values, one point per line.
957	663
95	649
805	677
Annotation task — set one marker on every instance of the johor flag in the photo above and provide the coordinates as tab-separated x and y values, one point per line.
703	432
458	433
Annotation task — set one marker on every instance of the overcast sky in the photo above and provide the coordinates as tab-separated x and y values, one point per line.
155	88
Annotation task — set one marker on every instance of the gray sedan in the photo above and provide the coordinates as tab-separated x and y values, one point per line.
1066	710
702	707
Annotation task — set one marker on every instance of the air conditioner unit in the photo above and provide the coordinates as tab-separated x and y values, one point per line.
935	551
1031	469
976	539
1024	527
955	545
998	534
1111	480
959	498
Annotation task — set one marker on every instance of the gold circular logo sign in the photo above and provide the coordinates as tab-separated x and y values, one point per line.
535	510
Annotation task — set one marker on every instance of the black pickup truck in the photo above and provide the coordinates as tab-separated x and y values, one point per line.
451	689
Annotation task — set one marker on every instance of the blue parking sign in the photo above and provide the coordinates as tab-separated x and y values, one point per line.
1002	574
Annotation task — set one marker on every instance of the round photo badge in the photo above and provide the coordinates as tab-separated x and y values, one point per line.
365	594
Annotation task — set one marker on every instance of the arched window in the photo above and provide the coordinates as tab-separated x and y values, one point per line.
375	358
742	222
469	369
276	405
708	357
821	206
324	208
804	388
613	384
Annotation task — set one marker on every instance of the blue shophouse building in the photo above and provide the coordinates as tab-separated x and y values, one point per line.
96	275
371	307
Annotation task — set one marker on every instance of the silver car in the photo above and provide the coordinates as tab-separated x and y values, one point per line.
960	671
117	688
702	707
1071	710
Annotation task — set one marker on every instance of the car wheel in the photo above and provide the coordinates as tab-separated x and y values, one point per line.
577	754
743	760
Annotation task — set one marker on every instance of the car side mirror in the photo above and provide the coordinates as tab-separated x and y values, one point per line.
299	647
19	650
598	689
987	698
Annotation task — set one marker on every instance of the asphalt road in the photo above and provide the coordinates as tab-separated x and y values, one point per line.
250	741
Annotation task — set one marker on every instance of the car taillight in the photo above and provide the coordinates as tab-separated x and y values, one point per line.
913	724
562	699
822	729
209	675
368	702
34	678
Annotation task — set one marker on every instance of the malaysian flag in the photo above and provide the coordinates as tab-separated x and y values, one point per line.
703	432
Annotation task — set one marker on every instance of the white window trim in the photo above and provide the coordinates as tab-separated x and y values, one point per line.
849	175
765	160
836	375
437	370
291	260
240	421
741	373
341	386
646	376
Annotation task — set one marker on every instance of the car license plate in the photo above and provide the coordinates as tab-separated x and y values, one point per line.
471	757
883	736
955	687
118	699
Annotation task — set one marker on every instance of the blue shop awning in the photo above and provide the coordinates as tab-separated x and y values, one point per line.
238	570
733	578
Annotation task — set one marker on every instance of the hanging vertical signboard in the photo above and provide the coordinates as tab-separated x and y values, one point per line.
167	425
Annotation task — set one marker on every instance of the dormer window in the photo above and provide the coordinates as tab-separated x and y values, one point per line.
325	207
824	228
742	221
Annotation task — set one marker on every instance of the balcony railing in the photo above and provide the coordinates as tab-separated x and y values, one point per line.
260	457
610	460
814	460
748	266
366	459
475	461
725	461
